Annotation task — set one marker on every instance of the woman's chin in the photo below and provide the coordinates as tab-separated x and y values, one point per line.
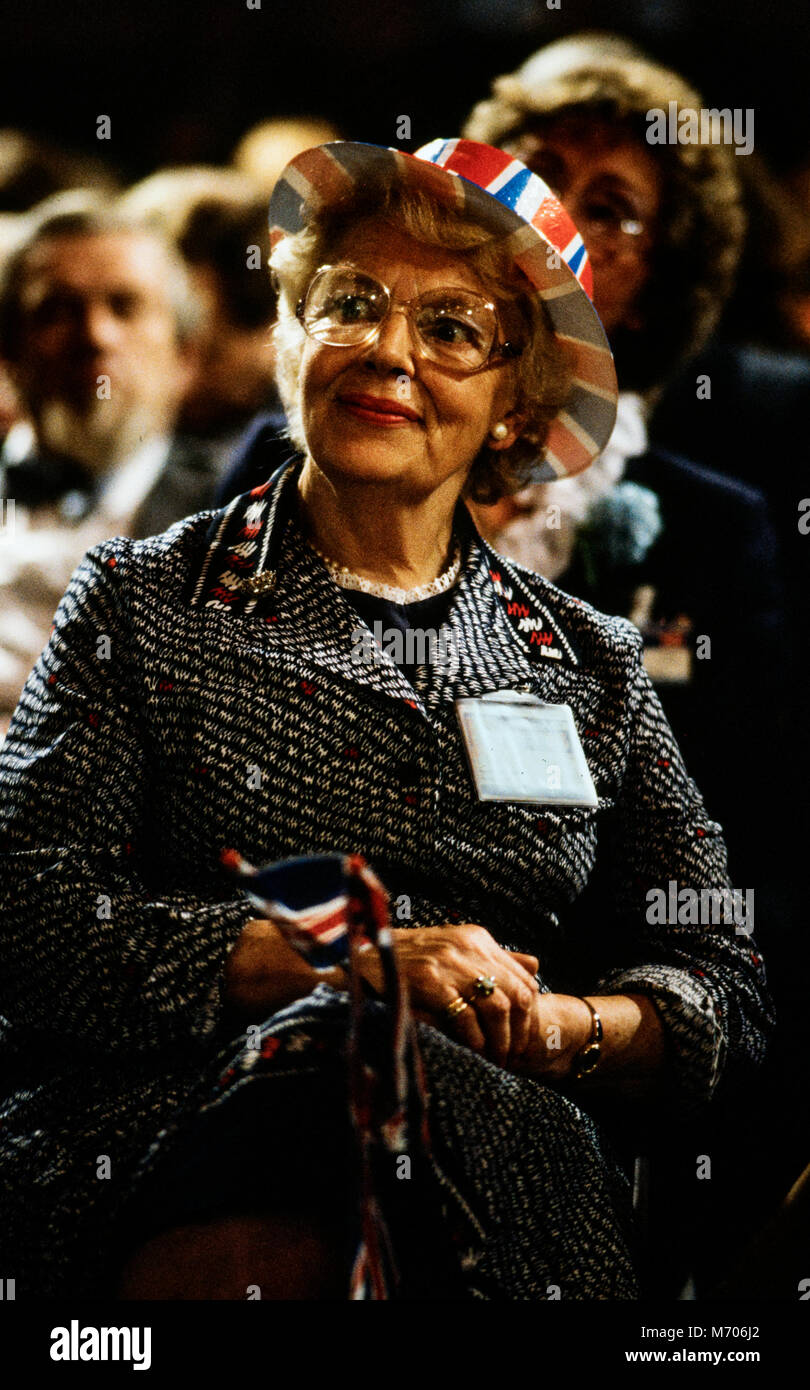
383	466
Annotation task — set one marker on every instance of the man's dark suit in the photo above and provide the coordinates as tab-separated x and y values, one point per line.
186	484
263	450
755	426
715	564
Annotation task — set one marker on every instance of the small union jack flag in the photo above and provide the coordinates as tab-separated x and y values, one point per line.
328	907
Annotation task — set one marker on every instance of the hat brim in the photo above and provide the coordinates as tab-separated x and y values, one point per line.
522	214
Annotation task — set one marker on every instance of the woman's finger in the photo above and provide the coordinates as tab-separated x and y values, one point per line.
494	1018
515	980
530	963
463	1026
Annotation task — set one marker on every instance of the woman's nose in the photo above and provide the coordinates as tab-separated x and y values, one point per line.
393	346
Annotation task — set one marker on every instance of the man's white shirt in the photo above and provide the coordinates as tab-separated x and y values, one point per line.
39	551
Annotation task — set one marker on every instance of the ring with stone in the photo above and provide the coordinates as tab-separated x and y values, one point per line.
484	985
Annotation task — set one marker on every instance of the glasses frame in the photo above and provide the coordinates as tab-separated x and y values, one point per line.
627	232
498	353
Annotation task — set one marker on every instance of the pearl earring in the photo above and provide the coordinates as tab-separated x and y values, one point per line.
500	431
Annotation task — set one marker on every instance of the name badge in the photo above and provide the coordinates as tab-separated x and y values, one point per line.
523	750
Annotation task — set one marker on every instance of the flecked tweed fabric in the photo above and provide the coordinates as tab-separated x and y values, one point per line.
165	721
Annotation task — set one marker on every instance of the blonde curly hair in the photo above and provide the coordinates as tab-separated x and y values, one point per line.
598	78
542	372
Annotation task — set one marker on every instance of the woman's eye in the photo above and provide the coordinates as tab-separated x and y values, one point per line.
446	328
351	308
603	213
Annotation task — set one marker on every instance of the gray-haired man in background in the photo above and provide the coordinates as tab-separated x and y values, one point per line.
97	321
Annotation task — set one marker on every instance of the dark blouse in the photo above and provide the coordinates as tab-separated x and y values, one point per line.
428	615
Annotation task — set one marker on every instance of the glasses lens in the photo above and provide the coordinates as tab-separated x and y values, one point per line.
608	226
600	221
343	306
456	328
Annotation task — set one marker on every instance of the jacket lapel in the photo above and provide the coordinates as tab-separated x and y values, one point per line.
281	603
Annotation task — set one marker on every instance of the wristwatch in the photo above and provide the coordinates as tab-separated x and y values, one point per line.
586	1061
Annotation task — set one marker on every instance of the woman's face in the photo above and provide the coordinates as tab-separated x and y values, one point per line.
381	412
602	177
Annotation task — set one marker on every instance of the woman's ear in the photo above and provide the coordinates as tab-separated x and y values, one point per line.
505	430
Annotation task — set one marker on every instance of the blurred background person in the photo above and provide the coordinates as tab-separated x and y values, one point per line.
218	223
267	148
686	551
10	409
96	314
755	369
742	404
32	169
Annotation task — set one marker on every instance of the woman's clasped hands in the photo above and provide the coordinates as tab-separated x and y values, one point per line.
513	1024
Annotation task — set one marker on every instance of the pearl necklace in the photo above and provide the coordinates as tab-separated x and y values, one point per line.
343	577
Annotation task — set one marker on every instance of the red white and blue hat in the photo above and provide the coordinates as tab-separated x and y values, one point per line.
500	193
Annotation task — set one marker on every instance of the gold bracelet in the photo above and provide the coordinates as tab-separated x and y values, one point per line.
588	1059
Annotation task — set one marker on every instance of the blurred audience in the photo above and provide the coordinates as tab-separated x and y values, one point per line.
773	265
754	374
267	148
219	225
32	170
168	197
10	410
96	314
684	552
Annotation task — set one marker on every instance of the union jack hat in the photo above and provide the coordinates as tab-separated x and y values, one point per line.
497	191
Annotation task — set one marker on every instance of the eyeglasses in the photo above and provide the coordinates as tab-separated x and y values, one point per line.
603	225
606	228
345	307
603	217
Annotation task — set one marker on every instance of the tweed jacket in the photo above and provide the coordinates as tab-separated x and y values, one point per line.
198	692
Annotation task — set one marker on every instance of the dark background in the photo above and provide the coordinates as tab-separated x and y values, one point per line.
181	80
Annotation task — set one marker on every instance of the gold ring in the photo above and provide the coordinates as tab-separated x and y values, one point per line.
484	985
457	1007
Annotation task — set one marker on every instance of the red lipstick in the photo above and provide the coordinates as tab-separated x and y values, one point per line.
379	410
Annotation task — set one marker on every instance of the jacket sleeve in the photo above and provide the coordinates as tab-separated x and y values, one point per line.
675	929
89	952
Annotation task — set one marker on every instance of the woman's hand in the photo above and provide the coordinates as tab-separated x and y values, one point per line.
560	1027
264	972
441	963
632	1050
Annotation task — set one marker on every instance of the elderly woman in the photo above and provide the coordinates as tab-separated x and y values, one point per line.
207	688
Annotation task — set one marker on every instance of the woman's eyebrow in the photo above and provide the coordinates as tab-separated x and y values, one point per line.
616	183
552	163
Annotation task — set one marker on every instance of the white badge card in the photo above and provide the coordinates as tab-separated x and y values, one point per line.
521	749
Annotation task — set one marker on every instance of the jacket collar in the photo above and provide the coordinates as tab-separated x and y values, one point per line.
260	575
